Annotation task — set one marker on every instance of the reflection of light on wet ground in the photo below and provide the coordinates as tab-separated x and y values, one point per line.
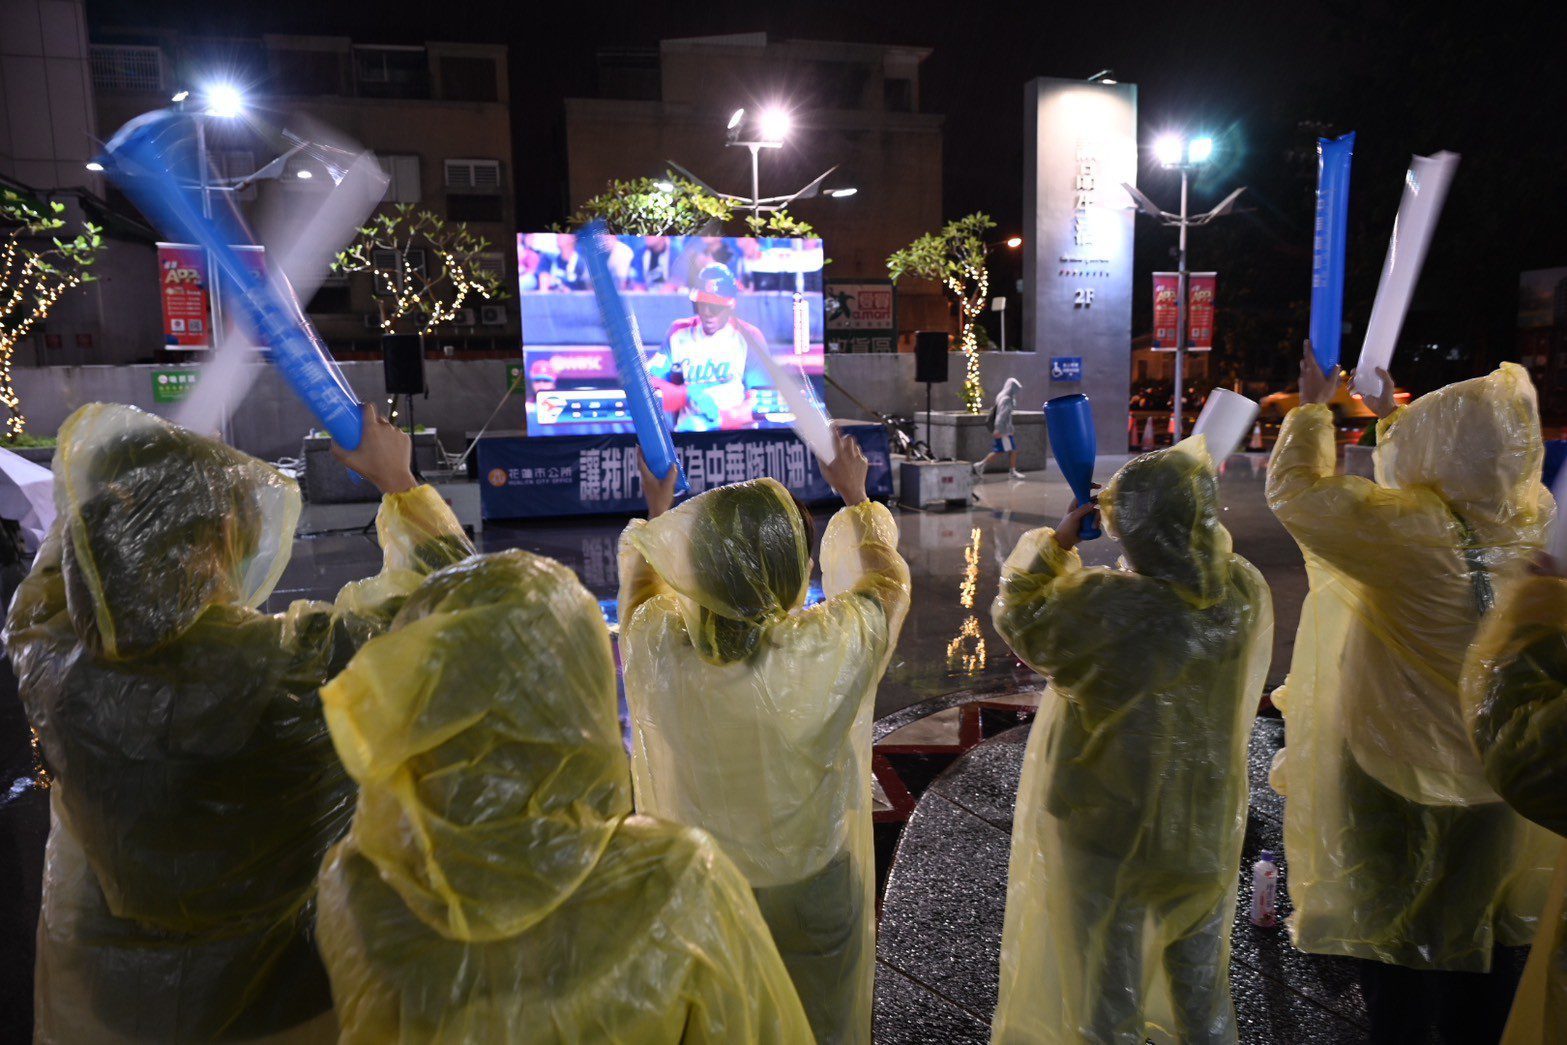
966	652
970	569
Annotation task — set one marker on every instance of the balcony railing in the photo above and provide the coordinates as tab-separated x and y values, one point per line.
127	69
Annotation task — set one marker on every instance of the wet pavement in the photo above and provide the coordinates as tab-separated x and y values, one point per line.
954	556
939	939
948	653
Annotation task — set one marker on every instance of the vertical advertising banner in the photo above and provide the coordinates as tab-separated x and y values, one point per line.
186	292
182	284
1166	285
1201	288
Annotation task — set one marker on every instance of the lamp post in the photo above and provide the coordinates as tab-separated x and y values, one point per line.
1176	152
1000	304
225	102
772	127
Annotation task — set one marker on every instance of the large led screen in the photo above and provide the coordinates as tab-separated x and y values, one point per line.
703	307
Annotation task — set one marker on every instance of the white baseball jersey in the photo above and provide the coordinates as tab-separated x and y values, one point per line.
714	369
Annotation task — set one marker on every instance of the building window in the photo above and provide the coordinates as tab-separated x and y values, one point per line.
392	72
123	68
477	176
493	263
410	266
468	79
404	174
629	72
469	207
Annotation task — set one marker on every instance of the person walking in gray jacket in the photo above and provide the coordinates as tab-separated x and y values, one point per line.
1001	429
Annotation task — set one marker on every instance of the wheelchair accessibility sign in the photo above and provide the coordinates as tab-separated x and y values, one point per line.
1066	368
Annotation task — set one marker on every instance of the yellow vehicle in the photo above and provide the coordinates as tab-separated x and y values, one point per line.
1346	405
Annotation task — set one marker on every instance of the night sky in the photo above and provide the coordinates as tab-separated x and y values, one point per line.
1266	78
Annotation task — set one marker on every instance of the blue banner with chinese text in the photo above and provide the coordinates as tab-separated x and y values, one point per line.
597	475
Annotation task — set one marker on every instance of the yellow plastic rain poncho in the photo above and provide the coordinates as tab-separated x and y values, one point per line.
1399	849
1515	695
195	788
1131	808
752	718
494	886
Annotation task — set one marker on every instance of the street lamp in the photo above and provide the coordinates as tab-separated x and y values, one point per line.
999	304
1177	152
773	127
775	124
224	100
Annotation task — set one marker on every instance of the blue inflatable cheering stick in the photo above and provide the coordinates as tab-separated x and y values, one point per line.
1329	237
647	413
153	160
1069	421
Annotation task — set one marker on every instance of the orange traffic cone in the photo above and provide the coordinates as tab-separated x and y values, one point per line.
1131	432
1148	436
1256	436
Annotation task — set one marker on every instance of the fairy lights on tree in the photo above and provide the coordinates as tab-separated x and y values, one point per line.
954	259
675	206
424	268
37	266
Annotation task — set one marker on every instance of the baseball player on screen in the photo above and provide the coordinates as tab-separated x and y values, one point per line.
701	366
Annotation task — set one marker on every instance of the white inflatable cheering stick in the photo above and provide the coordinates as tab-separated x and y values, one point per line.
1425	188
810	419
1225	419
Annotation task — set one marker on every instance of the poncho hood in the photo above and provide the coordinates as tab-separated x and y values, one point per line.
160	524
738	558
1164	509
1477	444
483	733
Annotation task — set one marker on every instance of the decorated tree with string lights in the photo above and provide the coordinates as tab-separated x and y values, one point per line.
423	267
954	259
37	266
675	206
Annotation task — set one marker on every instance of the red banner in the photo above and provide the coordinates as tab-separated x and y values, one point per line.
1201	289
186	294
182	279
1165	286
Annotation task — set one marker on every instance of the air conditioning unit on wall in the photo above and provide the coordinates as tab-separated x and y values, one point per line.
492	315
372	321
465	318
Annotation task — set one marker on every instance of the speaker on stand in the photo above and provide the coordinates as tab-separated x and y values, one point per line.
402	367
931	351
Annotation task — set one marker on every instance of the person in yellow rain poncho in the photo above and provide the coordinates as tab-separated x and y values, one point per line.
1127	837
194	785
752	716
494	886
1515	696
1400	853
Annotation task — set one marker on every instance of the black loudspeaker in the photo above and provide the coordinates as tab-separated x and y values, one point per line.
402	359
930	356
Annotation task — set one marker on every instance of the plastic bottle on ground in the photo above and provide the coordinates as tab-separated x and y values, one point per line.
1265	891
